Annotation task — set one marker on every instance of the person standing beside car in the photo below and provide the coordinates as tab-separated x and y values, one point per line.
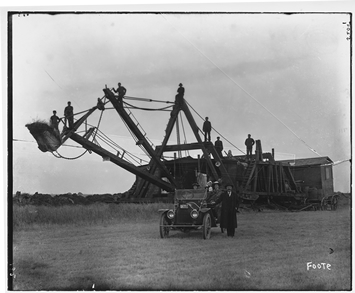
230	204
212	197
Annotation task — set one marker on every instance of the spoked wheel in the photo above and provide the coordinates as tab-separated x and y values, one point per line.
206	228
334	204
164	231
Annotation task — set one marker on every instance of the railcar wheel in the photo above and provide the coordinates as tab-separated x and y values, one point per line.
164	231
334	202
206	228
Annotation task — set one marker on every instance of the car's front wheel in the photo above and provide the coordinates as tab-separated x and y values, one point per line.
164	231
206	228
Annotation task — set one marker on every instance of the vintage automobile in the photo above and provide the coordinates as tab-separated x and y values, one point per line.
191	212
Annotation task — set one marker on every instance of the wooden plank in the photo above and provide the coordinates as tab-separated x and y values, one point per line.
264	177
282	181
264	193
285	178
268	188
259	151
276	179
247	174
259	184
256	176
181	147
250	176
273	178
291	178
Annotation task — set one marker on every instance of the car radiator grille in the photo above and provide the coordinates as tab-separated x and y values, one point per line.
183	217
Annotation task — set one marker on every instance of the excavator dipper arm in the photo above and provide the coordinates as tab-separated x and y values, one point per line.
122	163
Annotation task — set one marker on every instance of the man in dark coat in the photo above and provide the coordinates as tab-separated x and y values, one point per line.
249	142
230	204
69	115
207	129
218	144
180	95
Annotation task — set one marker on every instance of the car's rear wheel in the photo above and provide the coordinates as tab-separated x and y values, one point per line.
206	228
164	231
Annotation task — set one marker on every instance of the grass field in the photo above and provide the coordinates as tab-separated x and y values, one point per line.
270	252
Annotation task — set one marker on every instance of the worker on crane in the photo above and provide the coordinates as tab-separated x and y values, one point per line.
207	129
69	115
180	95
121	90
218	144
249	142
100	104
179	98
54	121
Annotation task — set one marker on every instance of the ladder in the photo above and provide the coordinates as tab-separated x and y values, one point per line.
248	175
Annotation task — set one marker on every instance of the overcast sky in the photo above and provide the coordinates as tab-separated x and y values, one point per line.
285	79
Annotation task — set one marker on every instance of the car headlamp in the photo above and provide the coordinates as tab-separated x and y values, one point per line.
194	214
170	214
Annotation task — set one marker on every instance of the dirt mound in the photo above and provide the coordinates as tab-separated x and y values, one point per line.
63	199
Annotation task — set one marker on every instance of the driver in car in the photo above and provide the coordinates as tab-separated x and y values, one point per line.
214	196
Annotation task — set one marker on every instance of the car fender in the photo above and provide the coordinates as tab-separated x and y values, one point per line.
163	210
205	210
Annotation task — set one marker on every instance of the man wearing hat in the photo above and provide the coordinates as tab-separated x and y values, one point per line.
230	203
180	95
195	186
213	196
214	191
209	186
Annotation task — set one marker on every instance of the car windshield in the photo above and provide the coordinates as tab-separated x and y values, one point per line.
190	193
